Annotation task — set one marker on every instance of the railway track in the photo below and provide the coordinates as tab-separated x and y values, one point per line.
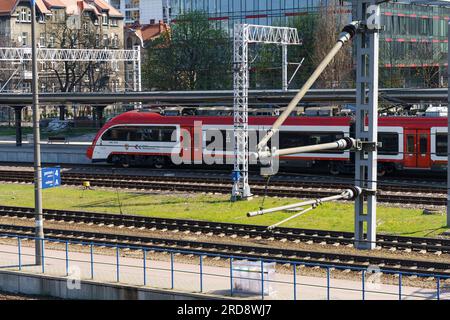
416	244
424	268
387	193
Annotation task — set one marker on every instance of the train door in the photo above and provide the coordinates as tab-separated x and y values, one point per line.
423	153
417	149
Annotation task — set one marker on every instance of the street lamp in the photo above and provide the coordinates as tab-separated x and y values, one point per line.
39	233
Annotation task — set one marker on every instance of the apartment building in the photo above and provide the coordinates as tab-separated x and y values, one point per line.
71	24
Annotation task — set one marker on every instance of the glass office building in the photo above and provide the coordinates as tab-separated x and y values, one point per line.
265	12
412	46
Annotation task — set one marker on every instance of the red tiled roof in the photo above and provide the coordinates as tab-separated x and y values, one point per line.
149	32
7	6
55	3
41	7
44	6
113	12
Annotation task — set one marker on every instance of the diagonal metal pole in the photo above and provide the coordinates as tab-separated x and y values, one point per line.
39	233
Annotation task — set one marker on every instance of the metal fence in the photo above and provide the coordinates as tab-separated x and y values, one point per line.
223	274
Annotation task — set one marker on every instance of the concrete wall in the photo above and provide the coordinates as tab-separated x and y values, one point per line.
32	284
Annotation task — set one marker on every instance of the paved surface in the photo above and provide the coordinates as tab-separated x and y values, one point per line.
186	276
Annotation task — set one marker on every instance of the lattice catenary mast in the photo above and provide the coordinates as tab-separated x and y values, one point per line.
244	34
94	55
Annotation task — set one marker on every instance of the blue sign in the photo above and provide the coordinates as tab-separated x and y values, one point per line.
236	176
51	177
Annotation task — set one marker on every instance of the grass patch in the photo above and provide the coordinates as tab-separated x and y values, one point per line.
329	216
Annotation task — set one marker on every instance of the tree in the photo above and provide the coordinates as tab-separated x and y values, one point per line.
391	76
426	60
193	55
266	60
71	76
339	73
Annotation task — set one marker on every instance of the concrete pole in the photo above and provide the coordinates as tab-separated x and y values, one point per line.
39	233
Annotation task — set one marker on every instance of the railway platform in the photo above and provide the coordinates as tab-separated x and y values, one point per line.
108	267
55	152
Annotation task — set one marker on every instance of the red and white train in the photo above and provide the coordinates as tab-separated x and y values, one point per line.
142	137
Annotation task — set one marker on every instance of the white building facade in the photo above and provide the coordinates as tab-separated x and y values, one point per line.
143	11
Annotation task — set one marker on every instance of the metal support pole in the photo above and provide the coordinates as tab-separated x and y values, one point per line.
201	273
67	258
438	288
19	252
295	281
117	265
363	278
244	34
400	286
92	260
144	265
137	83
231	276
39	232
328	283
43	255
139	69
366	43
241	187
284	82
171	270
448	139
262	280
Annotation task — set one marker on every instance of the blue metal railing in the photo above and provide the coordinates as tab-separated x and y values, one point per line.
264	282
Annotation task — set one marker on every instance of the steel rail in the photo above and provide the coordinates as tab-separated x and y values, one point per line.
426	268
221	186
421	244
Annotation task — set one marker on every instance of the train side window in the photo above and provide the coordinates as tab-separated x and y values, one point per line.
410	148
441	144
134	134
289	139
116	134
166	134
423	143
149	134
389	143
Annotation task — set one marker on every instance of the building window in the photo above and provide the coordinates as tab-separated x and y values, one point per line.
51	41
42	42
114	23
115	40
105	40
105	19
85	28
24	38
25	15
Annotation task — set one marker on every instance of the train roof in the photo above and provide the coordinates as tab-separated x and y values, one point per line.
153	117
